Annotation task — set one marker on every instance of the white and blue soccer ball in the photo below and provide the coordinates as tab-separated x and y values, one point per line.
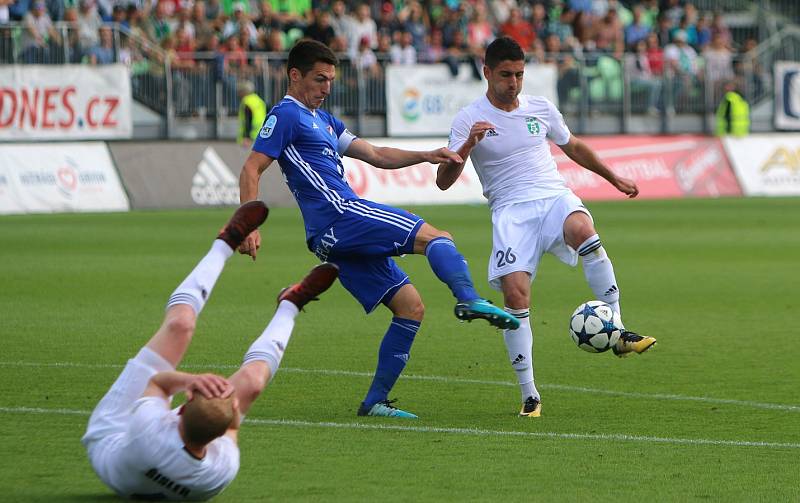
595	326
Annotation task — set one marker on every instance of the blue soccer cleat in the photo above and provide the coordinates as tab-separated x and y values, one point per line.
385	408
483	309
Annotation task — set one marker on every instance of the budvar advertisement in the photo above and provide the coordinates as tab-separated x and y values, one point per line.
65	102
663	167
62	177
767	165
423	99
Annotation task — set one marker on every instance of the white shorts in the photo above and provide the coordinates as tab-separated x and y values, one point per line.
110	417
523	232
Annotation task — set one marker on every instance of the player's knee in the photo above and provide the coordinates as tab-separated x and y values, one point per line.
414	310
180	326
253	383
516	298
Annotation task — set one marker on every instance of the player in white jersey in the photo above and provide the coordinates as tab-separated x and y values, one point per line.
143	449
533	212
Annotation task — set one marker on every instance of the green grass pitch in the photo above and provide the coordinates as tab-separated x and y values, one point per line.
712	413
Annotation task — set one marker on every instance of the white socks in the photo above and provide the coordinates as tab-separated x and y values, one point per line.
599	272
197	286
269	347
519	343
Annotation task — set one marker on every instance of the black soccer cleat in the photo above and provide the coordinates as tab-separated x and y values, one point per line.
532	407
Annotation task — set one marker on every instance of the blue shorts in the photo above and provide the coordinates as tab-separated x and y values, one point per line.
361	243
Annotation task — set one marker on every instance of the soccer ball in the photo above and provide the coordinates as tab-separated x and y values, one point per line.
595	326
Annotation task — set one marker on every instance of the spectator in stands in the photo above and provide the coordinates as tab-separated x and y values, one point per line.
749	67
415	21
624	15
434	51
384	45
5	14
459	52
673	11
103	52
158	25
568	75
703	29
562	25
321	29
403	53
686	26
650	13
72	42
135	22
480	32
362	26
519	30
655	55
55	8
642	78
718	27
89	23
367	61
235	62
453	22
239	23
202	27
37	35
664	29
637	31
718	65
266	20
501	10
214	10
681	58
609	37
342	22
539	21
387	21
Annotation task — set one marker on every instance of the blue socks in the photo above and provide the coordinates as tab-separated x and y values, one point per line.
392	358
451	268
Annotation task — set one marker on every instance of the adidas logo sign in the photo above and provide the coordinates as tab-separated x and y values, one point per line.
611	290
214	184
491	132
518	359
402	356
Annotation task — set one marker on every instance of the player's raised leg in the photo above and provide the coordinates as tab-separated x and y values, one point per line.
173	337
580	234
519	342
451	268
262	359
393	354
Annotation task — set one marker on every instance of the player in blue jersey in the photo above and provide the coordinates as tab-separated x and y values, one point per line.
357	235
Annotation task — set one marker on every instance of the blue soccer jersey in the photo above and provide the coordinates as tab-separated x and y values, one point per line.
308	146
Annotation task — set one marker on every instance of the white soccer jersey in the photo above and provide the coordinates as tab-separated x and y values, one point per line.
513	160
149	459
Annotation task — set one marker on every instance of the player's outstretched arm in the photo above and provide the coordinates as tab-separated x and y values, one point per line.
394	158
449	171
579	152
254	166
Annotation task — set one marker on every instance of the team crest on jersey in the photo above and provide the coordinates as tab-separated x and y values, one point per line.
314	125
268	127
533	125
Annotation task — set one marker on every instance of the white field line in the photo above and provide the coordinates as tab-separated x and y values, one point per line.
454	380
614	437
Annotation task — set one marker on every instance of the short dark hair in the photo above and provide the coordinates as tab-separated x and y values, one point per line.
306	53
503	49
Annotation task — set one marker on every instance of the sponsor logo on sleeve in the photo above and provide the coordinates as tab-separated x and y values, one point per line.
269	127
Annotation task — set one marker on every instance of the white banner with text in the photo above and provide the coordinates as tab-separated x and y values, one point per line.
59	177
65	102
766	165
422	100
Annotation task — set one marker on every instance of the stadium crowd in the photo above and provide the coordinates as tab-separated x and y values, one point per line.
642	37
